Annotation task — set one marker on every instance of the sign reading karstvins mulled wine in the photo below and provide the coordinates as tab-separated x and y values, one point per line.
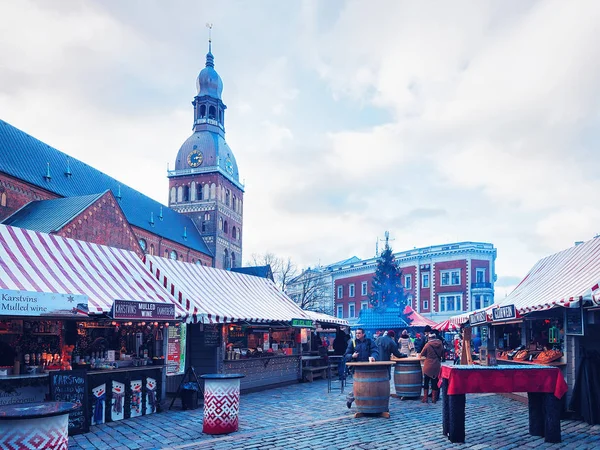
28	303
126	309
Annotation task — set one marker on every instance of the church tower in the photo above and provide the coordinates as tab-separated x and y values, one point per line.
205	184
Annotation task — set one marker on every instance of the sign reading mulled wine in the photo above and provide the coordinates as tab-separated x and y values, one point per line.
126	309
506	312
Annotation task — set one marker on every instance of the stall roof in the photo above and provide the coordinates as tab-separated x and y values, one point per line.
562	279
416	319
211	295
326	318
459	319
36	262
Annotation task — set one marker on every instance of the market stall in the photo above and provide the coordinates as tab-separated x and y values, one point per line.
237	323
75	311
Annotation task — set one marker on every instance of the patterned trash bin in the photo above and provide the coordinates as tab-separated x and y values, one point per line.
221	403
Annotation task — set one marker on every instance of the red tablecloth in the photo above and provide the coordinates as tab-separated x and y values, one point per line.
473	379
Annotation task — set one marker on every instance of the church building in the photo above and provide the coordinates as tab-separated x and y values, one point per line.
44	189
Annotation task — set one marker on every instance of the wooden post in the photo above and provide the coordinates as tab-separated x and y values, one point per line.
552	409
535	402
456	422
466	357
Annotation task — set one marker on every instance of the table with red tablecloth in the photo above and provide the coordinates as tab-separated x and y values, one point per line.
545	386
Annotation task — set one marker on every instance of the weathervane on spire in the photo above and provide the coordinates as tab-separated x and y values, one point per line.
209	26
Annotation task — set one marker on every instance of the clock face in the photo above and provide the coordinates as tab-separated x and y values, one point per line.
195	158
229	166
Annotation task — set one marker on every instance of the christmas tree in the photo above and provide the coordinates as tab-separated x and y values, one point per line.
386	288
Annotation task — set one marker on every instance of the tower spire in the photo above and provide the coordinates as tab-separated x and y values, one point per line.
210	60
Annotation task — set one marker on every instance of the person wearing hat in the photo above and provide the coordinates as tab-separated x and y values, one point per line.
432	366
419	343
387	347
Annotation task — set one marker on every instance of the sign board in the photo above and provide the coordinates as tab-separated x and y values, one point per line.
126	309
176	345
212	336
302	323
27	303
71	386
574	321
478	318
506	312
15	395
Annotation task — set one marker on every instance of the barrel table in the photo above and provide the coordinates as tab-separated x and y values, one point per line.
408	377
39	425
372	387
221	403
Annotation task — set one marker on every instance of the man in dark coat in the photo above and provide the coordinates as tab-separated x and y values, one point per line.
387	347
361	349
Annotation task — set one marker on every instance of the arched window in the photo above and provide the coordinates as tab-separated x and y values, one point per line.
199	195
227	197
152	249
239	234
221	223
202	111
3	199
234	203
205	192
173	195
225	227
180	194
203	228
186	193
226	259
207	216
233	232
166	253
173	255
198	262
232	260
213	191
212	113
193	191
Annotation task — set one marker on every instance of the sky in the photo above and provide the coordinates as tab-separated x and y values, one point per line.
437	121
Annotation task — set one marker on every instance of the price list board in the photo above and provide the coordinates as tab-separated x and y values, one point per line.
212	336
176	345
71	386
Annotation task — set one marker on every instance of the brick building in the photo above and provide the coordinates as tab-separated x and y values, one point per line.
440	281
44	189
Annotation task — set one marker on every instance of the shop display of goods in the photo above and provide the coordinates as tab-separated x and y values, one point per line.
501	355
521	355
548	356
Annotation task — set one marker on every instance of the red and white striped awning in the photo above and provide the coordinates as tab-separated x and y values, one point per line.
459	319
326	318
212	295
563	279
36	262
446	325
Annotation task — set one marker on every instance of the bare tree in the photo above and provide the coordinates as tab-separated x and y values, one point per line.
312	291
283	270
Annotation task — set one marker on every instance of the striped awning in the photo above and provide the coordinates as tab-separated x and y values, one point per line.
326	318
36	262
563	279
212	295
446	325
464	317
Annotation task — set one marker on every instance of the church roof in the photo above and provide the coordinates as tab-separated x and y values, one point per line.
48	216
26	158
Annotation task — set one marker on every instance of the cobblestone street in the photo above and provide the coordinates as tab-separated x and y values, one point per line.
305	416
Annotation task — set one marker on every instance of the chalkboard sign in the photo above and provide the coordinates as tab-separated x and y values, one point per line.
574	321
212	336
71	386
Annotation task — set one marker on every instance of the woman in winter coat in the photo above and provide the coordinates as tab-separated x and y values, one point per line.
432	354
405	344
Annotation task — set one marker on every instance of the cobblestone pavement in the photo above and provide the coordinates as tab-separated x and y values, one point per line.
305	416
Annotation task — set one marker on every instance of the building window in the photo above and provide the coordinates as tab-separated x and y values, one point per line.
450	303
166	253
207	216
351	291
233	233
198	262
364	305
340	311
203	228
143	245
407	281
340	291
202	111
232	259
351	312
221	223
425	304
186	193
173	255
180	194
227	197
487	300
199	192
480	276
173	197
450	277
212	112
477	301
425	280
363	288
3	199
152	249
225	259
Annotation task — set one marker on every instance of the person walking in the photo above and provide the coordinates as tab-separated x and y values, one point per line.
405	344
432	366
386	345
361	349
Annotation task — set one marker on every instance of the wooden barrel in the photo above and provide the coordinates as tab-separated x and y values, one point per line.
372	389
408	377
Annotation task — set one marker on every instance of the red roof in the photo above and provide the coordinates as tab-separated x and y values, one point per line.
415	319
